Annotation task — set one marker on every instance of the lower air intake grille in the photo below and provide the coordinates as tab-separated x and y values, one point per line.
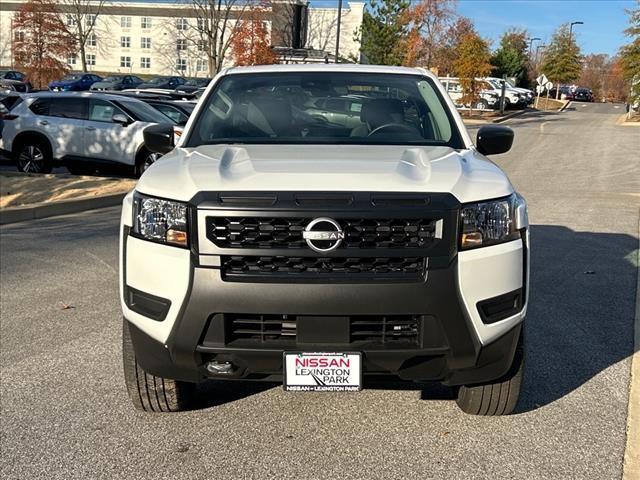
383	267
382	330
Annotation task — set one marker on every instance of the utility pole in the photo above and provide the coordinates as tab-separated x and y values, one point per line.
338	30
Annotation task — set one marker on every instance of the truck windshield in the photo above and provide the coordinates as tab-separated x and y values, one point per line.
325	108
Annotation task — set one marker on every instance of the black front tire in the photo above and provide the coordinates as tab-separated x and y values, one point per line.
144	160
499	397
148	392
33	156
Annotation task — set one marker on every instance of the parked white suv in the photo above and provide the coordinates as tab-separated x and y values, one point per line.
513	97
272	244
79	130
488	98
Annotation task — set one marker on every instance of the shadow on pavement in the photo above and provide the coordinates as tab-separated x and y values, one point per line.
214	393
580	318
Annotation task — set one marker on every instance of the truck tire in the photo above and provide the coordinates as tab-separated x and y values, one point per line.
498	398
148	392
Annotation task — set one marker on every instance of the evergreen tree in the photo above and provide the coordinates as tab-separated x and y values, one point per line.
384	32
562	60
510	59
630	55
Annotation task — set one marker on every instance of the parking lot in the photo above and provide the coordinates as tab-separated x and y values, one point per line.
65	412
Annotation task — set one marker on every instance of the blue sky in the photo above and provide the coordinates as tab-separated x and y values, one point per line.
604	20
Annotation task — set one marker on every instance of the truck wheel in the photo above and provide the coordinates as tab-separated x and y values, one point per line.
148	392
33	156
497	398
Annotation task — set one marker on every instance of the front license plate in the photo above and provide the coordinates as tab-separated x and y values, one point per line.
322	372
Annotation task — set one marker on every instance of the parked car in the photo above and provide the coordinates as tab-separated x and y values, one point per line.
7	102
80	130
75	82
319	255
117	82
192	85
566	93
178	111
487	97
512	97
343	111
583	95
529	95
14	80
163	83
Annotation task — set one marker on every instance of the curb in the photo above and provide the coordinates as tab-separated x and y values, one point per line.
64	207
622	121
631	466
566	104
510	115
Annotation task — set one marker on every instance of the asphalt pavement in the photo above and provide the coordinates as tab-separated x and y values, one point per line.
65	413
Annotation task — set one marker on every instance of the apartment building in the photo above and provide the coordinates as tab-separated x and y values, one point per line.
159	37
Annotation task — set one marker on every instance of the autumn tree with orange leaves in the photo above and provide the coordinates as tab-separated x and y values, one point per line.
251	43
472	62
41	44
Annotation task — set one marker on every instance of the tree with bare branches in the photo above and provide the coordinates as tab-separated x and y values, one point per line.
79	18
217	24
42	46
429	22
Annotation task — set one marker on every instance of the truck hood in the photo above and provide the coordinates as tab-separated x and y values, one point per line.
184	172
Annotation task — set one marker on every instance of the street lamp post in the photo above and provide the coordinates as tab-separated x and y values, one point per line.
531	40
338	29
571	28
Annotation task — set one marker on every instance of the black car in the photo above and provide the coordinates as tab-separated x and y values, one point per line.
7	102
193	85
118	82
583	95
165	83
14	81
177	111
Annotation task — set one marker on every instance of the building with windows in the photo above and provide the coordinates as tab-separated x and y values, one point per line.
159	37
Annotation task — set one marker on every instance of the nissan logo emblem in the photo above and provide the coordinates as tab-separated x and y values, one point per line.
323	234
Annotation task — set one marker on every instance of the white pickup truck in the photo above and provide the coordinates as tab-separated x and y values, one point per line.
274	244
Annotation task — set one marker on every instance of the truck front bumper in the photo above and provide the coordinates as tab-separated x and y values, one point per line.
449	348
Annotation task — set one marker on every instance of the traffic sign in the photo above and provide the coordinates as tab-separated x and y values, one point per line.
548	85
542	79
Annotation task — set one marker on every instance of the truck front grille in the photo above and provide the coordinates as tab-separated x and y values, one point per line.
286	232
382	330
322	267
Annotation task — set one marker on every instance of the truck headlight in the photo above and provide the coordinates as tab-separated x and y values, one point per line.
492	222
159	220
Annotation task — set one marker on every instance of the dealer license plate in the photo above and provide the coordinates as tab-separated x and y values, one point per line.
322	372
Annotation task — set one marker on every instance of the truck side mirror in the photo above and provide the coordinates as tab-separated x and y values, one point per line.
494	139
